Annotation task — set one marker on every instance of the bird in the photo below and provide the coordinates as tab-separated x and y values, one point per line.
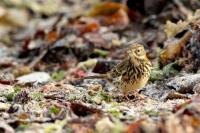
132	73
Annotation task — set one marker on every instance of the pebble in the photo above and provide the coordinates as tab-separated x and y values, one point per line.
36	77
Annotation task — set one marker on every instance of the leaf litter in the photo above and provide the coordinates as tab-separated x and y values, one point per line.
46	47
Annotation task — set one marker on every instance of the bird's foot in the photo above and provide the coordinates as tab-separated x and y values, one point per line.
134	97
140	96
127	98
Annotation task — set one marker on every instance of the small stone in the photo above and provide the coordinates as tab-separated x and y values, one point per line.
104	125
36	77
184	84
97	100
196	89
96	87
4	106
6	128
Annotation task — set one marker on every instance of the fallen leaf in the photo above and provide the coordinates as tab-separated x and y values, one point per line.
106	8
23	116
174	48
135	127
111	14
82	110
52	36
84	25
172	29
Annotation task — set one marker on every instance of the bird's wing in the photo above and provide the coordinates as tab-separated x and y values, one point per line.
119	69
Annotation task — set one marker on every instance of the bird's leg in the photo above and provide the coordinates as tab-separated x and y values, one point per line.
126	96
130	98
139	96
136	97
133	96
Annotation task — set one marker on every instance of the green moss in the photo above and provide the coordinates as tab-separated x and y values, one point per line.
115	112
74	97
156	75
119	127
17	89
38	96
22	127
151	113
91	93
57	126
89	99
167	71
54	110
100	52
57	76
171	69
106	97
10	96
97	99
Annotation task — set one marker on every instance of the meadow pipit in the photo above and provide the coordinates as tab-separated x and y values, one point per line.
132	73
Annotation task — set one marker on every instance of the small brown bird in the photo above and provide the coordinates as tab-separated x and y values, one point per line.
132	73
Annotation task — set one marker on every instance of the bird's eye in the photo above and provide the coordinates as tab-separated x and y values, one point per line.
138	50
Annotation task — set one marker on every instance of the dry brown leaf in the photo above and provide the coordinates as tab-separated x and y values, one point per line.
135	127
174	49
84	25
106	9
171	29
52	36
111	14
23	116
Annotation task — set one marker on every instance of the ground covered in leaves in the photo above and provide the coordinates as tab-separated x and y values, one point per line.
47	46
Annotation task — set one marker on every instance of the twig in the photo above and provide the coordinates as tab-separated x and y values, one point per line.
37	59
182	8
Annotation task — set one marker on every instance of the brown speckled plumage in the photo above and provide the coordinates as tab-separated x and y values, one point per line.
132	73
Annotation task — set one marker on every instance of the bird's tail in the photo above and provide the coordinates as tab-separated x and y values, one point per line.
100	76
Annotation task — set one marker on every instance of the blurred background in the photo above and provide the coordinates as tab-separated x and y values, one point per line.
46	46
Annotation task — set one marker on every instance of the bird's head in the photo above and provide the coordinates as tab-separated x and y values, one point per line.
136	51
